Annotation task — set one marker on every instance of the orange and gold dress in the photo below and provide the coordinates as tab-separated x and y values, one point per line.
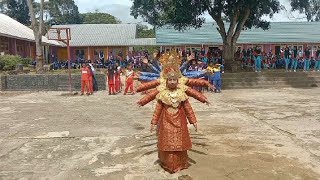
173	135
172	114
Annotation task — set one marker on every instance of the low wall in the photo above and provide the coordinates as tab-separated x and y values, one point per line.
250	80
45	82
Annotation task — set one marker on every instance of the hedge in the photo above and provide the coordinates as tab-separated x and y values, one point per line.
9	62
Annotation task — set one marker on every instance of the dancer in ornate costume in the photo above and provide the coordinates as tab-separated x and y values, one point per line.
173	111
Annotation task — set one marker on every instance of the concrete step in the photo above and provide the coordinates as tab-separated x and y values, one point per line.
269	79
264	87
258	86
270	82
271	74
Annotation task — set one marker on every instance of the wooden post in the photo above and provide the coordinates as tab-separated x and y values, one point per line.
106	55
88	56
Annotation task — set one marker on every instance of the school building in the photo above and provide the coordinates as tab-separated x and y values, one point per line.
18	39
90	40
281	34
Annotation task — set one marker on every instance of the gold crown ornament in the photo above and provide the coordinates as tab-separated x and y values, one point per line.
170	62
171	58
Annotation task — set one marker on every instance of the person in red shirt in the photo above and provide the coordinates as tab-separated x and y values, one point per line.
90	79
111	80
117	78
85	79
129	80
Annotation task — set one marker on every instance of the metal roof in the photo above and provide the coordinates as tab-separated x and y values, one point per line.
104	35
13	29
280	32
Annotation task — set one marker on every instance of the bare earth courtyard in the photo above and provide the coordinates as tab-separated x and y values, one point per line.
244	134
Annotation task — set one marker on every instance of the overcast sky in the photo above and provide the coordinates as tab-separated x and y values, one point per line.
121	10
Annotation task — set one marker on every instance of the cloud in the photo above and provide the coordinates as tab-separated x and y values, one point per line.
118	8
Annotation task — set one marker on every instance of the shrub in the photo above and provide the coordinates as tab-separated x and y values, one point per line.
26	61
9	62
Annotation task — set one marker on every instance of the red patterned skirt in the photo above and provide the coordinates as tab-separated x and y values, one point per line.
173	161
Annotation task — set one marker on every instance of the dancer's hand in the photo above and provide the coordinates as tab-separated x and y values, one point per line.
208	103
195	125
139	104
212	87
152	128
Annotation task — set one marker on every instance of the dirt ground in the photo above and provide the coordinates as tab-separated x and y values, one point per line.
245	134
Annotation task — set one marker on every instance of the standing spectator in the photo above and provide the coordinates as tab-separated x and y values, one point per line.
90	79
84	79
317	56
117	78
111	57
258	59
287	58
249	56
101	56
94	81
273	62
238	54
294	63
210	73
217	77
307	60
203	52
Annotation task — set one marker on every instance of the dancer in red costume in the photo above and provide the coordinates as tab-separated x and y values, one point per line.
85	79
111	80
130	75
118	86
173	111
90	79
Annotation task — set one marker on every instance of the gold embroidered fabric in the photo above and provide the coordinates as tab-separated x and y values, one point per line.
172	97
173	133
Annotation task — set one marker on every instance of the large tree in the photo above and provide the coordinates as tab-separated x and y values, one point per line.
64	12
183	14
99	18
37	27
16	9
311	8
144	32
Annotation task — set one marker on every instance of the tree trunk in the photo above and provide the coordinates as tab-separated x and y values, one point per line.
37	31
228	56
39	54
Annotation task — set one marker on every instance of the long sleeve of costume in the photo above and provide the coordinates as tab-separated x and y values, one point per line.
198	82
155	69
157	113
197	95
184	66
189	112
149	97
148	85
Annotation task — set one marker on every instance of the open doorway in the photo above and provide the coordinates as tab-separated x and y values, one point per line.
277	50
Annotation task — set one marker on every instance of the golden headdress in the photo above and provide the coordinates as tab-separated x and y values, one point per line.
170	62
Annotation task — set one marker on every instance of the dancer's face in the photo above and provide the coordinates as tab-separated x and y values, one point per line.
172	83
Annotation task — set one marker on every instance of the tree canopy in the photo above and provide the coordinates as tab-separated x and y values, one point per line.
16	9
184	14
64	12
144	32
99	18
311	8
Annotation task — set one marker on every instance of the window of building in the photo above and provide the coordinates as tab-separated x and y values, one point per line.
99	54
80	54
20	47
4	45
